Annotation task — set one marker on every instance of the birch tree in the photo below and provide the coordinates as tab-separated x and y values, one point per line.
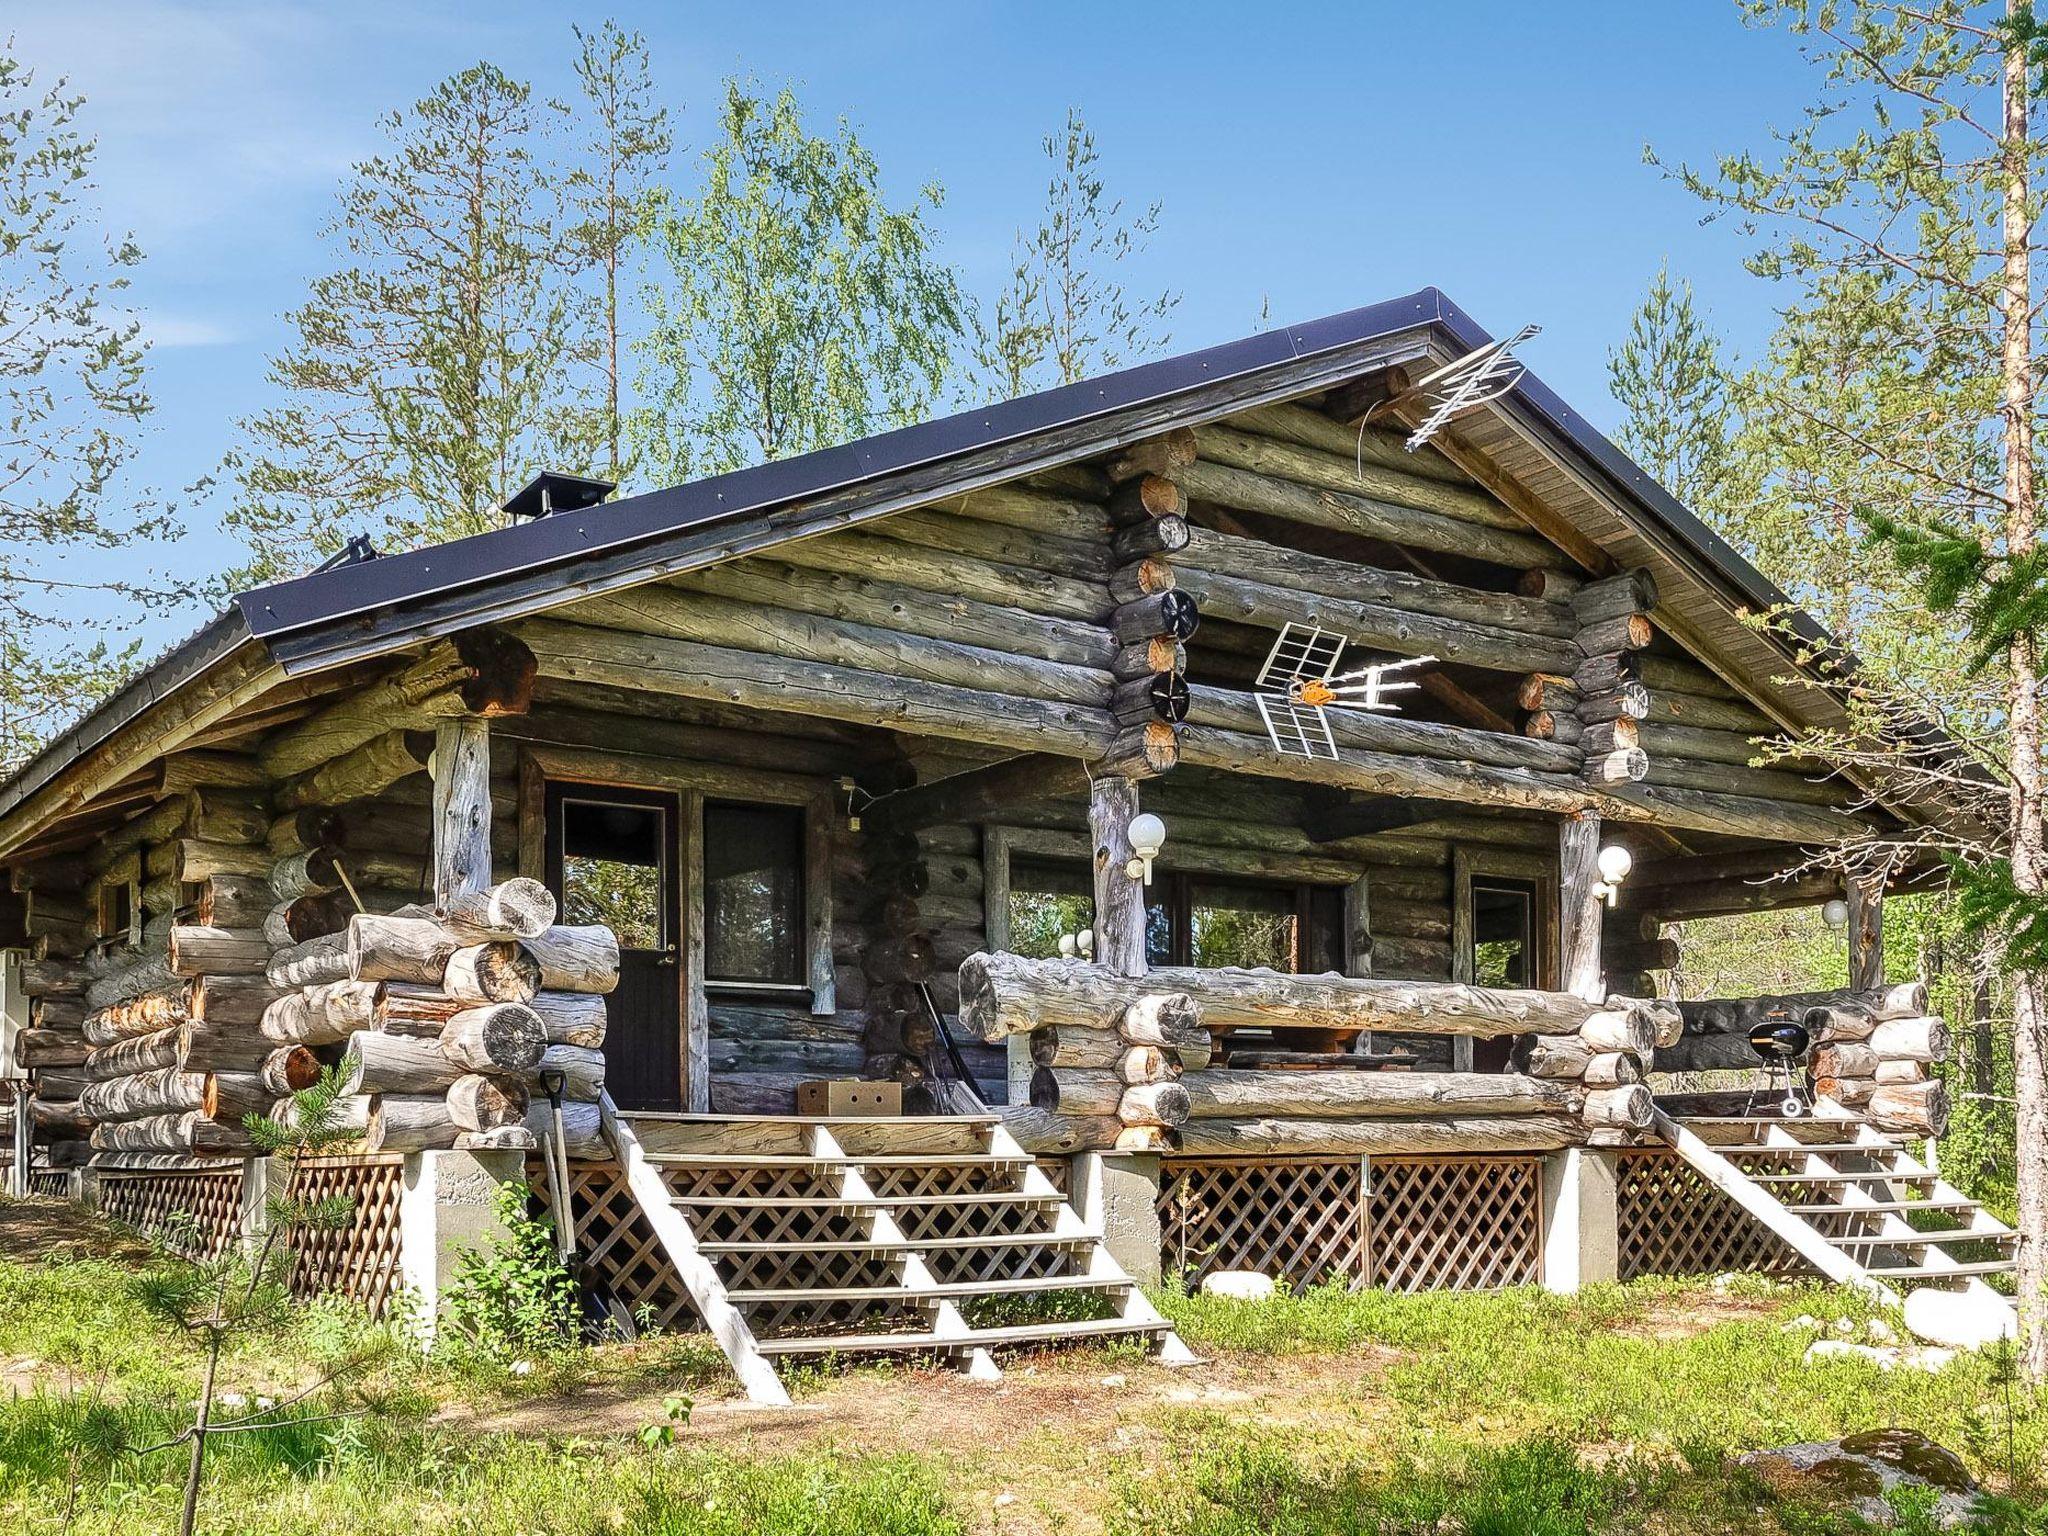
73	396
798	308
1902	208
1065	312
431	373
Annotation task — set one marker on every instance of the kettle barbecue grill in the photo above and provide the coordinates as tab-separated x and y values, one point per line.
1781	1042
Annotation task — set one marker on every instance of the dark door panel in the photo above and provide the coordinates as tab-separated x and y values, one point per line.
611	859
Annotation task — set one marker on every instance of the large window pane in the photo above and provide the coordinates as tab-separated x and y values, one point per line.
613	857
753	893
1248	925
1046	901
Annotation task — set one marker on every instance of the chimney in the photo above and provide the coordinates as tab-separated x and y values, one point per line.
552	491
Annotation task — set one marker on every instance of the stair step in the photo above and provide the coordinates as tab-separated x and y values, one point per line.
1920	1239
863	1202
1841	1176
1827	1148
912	1245
1878	1206
939	1291
838	1160
1946	1272
977	1338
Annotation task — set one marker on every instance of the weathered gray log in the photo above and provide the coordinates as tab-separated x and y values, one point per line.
233	901
1222	1093
206	1045
398	948
378	1063
582	1129
480	672
1923	1039
1162	1104
1073	1046
659	665
1266	1136
150	973
576	959
312	963
513	909
167	1091
50	1048
461	810
348	1114
1909	1109
570	1018
409	1008
1004	994
704	619
1353	475
1738	1015
1047	1134
368	770
494	972
1227	594
501	1038
290	1069
325	1014
408	1122
138	1053
1253	492
480	1103
1629	1108
188	1132
1228	709
582	1071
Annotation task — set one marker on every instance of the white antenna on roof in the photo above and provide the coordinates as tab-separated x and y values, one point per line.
1300	683
1472	380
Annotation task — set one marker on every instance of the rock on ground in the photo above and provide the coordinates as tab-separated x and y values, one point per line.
1868	1466
1241	1284
1960	1319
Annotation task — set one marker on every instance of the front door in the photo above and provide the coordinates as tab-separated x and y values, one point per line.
611	859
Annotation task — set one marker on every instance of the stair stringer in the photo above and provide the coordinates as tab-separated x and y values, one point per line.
1801	1236
699	1276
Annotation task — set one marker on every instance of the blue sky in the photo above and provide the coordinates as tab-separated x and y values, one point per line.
1309	156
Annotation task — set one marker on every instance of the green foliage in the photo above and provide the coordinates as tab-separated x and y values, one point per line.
1065	313
426	375
660	1434
512	1298
1676	394
799	308
73	395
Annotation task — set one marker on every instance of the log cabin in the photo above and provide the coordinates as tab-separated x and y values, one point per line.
865	888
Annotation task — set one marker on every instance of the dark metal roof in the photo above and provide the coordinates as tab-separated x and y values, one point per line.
373	597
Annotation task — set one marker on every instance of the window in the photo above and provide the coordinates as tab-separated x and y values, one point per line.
116	914
613	861
1047	901
1189	920
753	895
1503	932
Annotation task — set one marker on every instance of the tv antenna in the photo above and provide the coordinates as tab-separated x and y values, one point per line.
1299	684
1473	380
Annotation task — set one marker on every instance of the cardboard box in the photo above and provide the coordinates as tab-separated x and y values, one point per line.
845	1096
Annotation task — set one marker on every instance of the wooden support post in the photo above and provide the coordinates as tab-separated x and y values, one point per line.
462	808
1865	895
1578	907
1119	900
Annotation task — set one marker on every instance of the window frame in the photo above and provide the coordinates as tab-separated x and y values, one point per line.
1481	863
701	904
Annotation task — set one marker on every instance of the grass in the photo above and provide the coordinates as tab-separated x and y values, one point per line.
1616	1412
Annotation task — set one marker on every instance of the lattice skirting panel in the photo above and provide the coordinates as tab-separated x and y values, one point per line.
1673	1222
196	1212
618	1251
1404	1223
359	1258
51	1183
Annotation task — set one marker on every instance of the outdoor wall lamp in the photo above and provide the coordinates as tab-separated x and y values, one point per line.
1835	913
1147	834
1615	863
1080	944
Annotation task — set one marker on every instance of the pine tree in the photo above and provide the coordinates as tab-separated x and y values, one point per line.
1676	395
431	374
799	308
1065	313
613	202
72	398
1901	215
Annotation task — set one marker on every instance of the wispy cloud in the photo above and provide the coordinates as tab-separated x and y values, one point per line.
186	331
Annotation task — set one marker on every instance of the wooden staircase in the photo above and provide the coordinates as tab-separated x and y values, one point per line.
806	1238
1850	1200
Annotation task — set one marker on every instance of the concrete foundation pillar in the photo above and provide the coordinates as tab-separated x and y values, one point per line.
1581	1237
85	1187
258	1175
448	1205
1117	1194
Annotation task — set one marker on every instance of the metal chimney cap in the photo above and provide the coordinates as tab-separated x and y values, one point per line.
554	491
